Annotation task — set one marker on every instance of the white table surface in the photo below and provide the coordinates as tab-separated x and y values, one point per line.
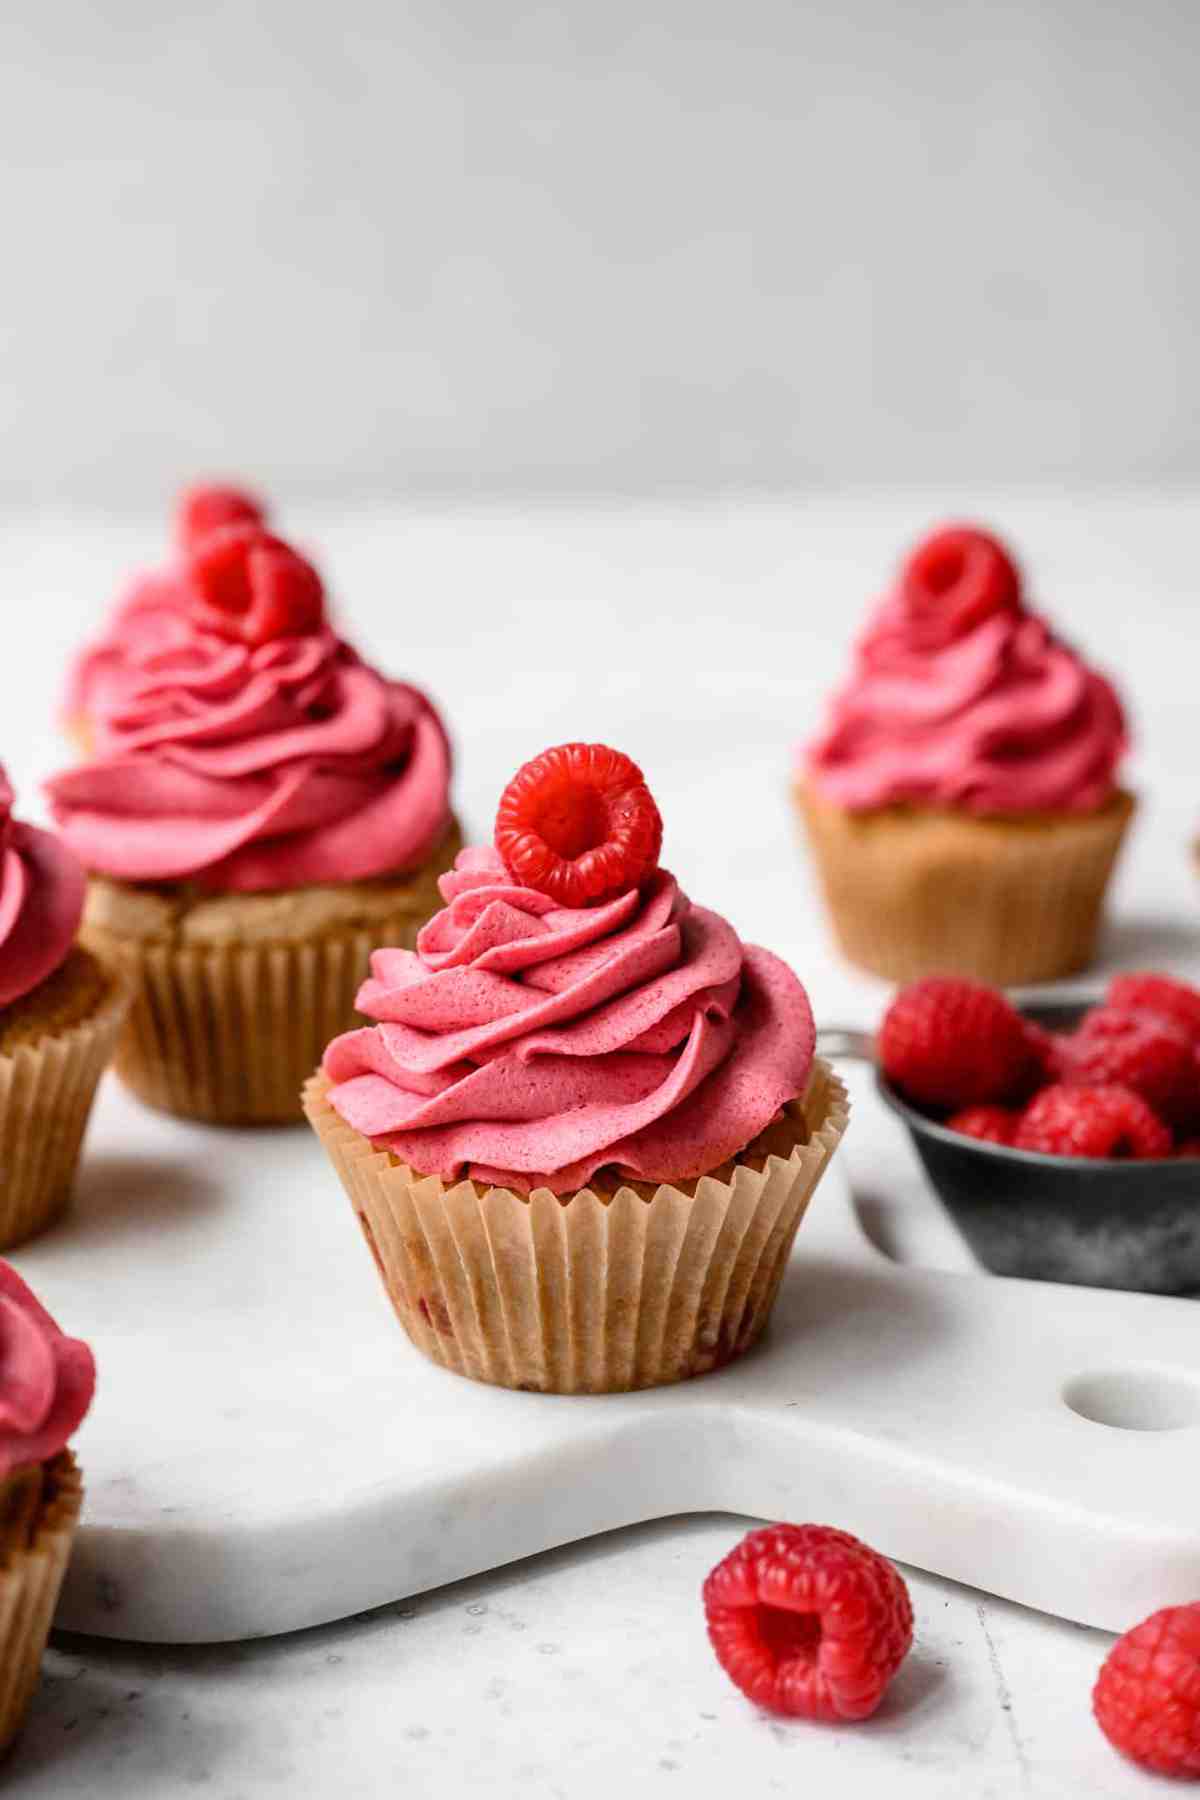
700	637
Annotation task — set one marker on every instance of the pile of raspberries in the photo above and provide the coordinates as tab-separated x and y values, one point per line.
1125	1083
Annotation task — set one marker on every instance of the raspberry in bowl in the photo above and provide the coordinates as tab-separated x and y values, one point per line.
585	1124
257	809
962	804
1062	1137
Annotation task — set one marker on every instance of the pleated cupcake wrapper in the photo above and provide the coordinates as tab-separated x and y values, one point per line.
30	1581
46	1094
230	1033
914	893
589	1295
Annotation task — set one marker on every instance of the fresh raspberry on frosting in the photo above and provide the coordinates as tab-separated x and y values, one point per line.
46	1379
579	823
249	585
211	507
528	1043
955	579
808	1622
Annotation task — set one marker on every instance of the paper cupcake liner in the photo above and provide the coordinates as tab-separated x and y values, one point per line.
46	1093
595	1294
914	892
31	1577
229	1033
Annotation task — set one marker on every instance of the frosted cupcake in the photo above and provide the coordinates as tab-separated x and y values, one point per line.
963	805
60	1013
258	811
583	1130
46	1386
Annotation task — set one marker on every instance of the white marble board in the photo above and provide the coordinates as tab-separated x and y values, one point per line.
267	1451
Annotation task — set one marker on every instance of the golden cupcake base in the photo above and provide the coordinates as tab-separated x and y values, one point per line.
917	891
55	1044
39	1512
236	996
622	1285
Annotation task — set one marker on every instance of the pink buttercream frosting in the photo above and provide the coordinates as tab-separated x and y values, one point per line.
42	889
527	1044
46	1379
245	767
991	714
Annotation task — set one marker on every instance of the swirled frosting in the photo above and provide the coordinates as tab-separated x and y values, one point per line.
528	1044
245	767
990	714
46	1379
41	901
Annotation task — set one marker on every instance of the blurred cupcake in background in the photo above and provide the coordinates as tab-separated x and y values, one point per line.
962	804
46	1384
258	809
152	619
60	1013
588	1119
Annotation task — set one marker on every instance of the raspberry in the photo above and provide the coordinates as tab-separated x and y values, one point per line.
249	585
580	824
202	510
953	580
807	1621
1138	1051
1092	1121
991	1124
1159	995
1188	1147
951	1043
1147	1695
1045	1053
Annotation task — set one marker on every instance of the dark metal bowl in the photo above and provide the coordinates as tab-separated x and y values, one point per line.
1132	1225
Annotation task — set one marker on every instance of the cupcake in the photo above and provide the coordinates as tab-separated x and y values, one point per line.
258	810
962	804
583	1130
46	1385
60	1014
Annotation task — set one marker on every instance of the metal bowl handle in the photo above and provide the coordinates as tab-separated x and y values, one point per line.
843	1041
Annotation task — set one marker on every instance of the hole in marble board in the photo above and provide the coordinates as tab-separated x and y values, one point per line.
1135	1399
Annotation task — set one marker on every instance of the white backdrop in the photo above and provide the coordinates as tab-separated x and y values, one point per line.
402	245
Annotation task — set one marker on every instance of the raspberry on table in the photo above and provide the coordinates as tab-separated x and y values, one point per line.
950	1043
1141	1051
991	1124
202	510
1108	1122
579	823
1147	1696
1147	991
254	587
808	1622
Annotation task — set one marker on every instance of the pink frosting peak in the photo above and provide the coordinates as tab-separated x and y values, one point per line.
960	697
46	1379
245	766
42	889
528	1044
